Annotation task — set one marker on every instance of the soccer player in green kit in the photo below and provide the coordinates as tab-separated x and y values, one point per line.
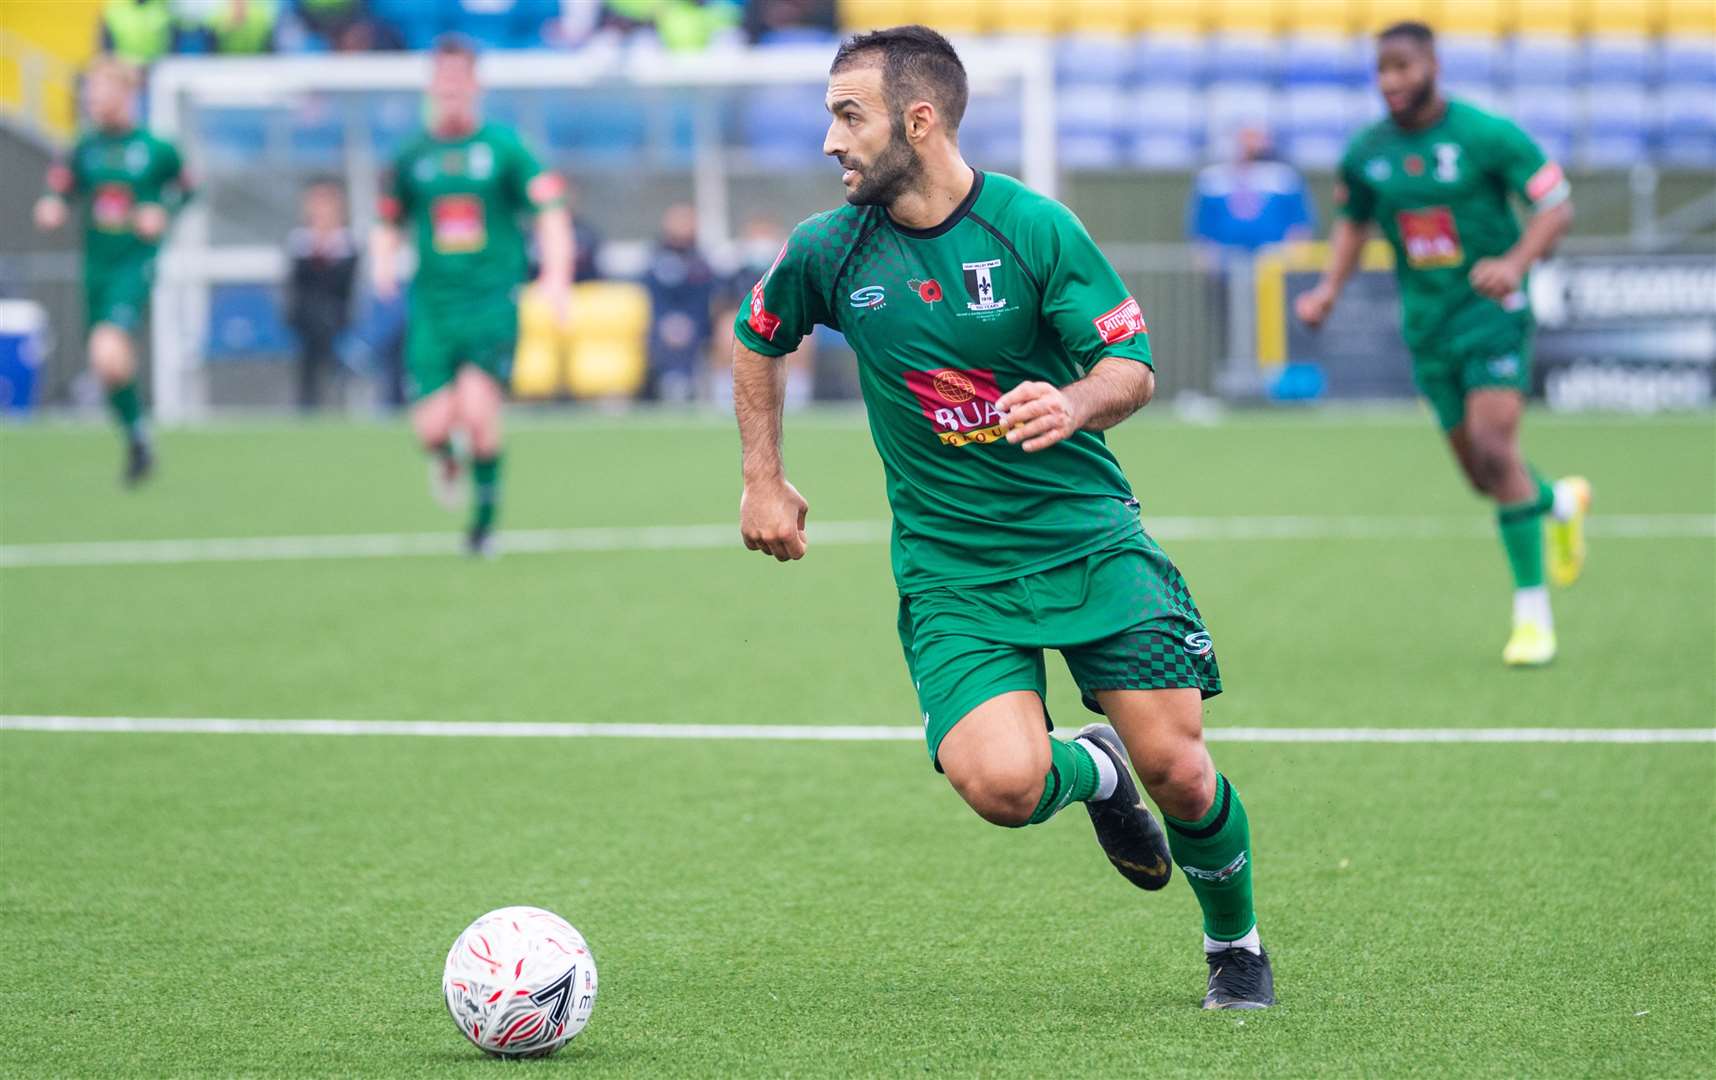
995	343
1437	175
461	186
128	183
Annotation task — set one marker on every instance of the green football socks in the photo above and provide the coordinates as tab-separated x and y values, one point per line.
1215	853
485	481
1073	777
1521	526
127	409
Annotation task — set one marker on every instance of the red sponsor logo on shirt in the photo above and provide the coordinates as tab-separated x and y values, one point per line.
1414	165
761	320
459	224
110	207
1543	181
959	404
1122	323
1430	238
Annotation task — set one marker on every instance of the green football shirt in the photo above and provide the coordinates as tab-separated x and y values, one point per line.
463	198
1009	289
110	175
1441	197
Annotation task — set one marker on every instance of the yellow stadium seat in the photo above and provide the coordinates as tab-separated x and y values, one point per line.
609	346
1691	18
1100	17
1169	16
952	16
1473	18
871	14
1642	17
1320	16
1245	16
1028	16
42	46
538	364
1546	17
1376	14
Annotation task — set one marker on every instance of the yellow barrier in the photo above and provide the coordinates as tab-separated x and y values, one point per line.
604	352
1269	279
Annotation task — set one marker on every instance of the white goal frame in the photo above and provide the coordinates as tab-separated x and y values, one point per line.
190	266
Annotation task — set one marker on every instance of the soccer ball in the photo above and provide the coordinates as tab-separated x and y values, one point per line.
520	982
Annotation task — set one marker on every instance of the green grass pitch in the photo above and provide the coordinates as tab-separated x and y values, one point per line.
219	905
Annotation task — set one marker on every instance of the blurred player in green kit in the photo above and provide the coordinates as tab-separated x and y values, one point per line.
461	188
1437	176
128	183
995	344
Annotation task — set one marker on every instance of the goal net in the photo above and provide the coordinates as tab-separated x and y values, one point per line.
737	134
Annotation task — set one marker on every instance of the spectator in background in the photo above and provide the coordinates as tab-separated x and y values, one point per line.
1250	202
681	288
319	291
771	19
680	25
139	32
229	27
499	24
336	26
587	240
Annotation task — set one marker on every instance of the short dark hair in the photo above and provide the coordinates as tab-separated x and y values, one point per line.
451	44
918	64
1416	32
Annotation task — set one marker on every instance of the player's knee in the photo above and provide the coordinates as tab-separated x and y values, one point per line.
1492	461
1182	783
1001	794
110	354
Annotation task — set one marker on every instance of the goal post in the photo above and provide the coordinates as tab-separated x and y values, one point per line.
694	98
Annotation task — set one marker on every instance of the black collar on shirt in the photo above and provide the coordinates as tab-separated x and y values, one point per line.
951	220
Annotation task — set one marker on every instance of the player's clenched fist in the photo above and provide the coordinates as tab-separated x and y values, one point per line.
1313	305
771	519
1496	278
1039	415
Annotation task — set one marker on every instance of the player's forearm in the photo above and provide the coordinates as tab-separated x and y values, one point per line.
1115	389
1346	242
554	239
759	396
384	257
1542	233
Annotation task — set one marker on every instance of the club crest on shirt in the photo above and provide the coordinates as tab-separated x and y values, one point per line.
980	285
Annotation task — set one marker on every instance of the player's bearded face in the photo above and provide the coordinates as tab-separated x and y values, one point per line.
1406	75
885	175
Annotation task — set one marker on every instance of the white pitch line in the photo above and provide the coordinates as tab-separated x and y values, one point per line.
726	535
802	732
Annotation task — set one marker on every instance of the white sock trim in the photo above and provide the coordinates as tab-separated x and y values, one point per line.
1566	503
1106	778
1250	942
1532	605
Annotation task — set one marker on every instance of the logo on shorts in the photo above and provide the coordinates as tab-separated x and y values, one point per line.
1504	367
1199	643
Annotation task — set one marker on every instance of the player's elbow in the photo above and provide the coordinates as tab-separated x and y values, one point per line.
1146	385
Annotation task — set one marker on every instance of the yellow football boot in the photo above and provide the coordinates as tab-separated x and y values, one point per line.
1532	645
1567	538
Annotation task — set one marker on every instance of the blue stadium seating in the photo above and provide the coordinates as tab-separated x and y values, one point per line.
1173	58
1619	123
1258	56
1689	60
1081	60
1090	121
1467	59
784	126
1165	126
1312	59
1543	61
232	137
1620	60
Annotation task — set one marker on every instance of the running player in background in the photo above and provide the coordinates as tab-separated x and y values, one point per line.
995	343
461	187
128	184
1436	175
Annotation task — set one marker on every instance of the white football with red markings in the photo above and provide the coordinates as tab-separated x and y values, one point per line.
520	982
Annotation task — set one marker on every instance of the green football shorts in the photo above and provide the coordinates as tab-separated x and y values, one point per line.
1122	619
1446	377
117	295
482	333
